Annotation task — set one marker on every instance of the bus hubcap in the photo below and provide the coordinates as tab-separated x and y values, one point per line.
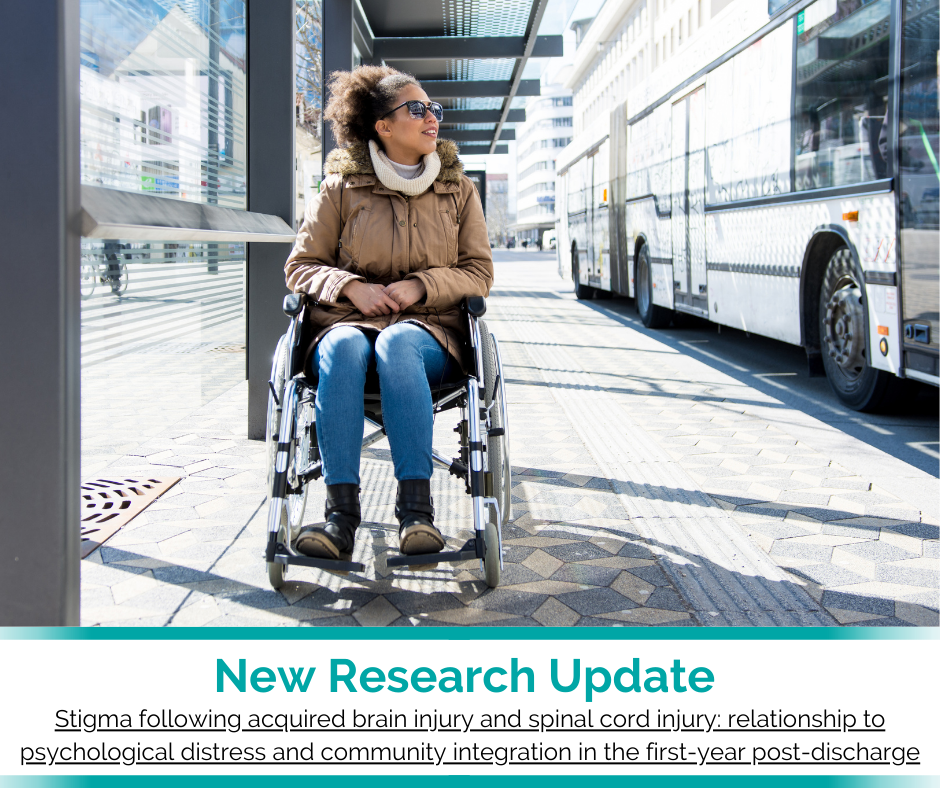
845	325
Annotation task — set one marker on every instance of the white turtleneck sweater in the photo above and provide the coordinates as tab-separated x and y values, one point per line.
408	171
410	180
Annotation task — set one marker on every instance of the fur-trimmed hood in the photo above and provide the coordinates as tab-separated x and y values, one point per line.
354	159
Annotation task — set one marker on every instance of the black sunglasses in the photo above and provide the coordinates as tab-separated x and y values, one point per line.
418	109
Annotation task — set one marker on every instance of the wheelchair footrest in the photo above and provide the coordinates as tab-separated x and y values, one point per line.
466	553
320	563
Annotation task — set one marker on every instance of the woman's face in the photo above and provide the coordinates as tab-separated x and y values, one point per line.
406	139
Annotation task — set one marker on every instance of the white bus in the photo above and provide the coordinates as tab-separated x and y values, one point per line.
786	186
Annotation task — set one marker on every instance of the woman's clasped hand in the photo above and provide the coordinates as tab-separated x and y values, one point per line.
374	300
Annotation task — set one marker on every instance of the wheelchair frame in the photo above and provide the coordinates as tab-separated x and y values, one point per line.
294	458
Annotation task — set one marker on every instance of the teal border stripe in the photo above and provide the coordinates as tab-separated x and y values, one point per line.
458	633
467	781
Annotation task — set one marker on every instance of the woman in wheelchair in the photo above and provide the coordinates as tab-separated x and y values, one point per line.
388	249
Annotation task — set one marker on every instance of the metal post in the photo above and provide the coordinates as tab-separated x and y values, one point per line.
271	98
39	314
337	52
212	164
212	72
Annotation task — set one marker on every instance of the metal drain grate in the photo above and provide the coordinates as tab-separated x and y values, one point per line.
109	504
228	349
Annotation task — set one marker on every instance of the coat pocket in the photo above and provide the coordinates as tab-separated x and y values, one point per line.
449	222
353	233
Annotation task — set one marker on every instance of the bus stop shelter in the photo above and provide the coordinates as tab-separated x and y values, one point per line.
470	56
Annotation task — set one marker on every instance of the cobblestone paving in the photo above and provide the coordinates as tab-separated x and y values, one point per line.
137	396
648	490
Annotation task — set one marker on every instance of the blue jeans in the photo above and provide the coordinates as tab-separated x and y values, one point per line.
406	357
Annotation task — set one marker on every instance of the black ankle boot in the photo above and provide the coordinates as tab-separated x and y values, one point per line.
338	534
415	512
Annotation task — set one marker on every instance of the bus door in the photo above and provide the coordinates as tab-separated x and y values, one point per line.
589	262
697	263
600	234
688	202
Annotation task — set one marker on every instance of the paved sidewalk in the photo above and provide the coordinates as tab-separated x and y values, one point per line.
649	489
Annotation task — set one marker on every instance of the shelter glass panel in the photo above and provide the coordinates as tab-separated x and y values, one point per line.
163	112
163	98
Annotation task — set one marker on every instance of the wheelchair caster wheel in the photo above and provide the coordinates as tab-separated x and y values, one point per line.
491	568
276	574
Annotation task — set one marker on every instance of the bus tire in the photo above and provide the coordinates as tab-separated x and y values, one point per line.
843	336
581	292
652	315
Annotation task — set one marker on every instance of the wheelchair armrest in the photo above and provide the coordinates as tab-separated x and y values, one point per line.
475	305
294	304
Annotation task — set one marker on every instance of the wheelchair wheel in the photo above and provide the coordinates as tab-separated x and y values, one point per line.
497	455
300	458
273	425
502	407
288	511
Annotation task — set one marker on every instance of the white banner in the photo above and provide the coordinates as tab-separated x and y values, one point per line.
590	707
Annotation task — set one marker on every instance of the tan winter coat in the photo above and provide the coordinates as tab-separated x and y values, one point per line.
358	229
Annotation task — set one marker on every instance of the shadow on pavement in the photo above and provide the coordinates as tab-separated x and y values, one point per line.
749	359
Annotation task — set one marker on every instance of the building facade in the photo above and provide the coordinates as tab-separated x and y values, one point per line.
497	207
619	49
546	132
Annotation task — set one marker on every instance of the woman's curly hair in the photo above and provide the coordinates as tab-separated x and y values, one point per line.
358	98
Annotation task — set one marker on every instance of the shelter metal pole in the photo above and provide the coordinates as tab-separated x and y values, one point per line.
271	100
337	52
212	162
40	314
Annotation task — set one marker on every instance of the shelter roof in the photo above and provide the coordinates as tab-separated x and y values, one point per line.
470	55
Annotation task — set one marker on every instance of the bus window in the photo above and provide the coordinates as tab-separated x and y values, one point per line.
841	92
576	186
747	123
919	182
918	152
601	174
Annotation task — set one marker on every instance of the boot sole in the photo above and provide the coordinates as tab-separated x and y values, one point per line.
421	539
317	545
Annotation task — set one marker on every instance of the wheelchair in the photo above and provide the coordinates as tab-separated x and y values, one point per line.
482	461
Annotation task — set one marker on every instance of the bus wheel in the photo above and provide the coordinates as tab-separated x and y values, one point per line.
842	331
581	292
652	315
